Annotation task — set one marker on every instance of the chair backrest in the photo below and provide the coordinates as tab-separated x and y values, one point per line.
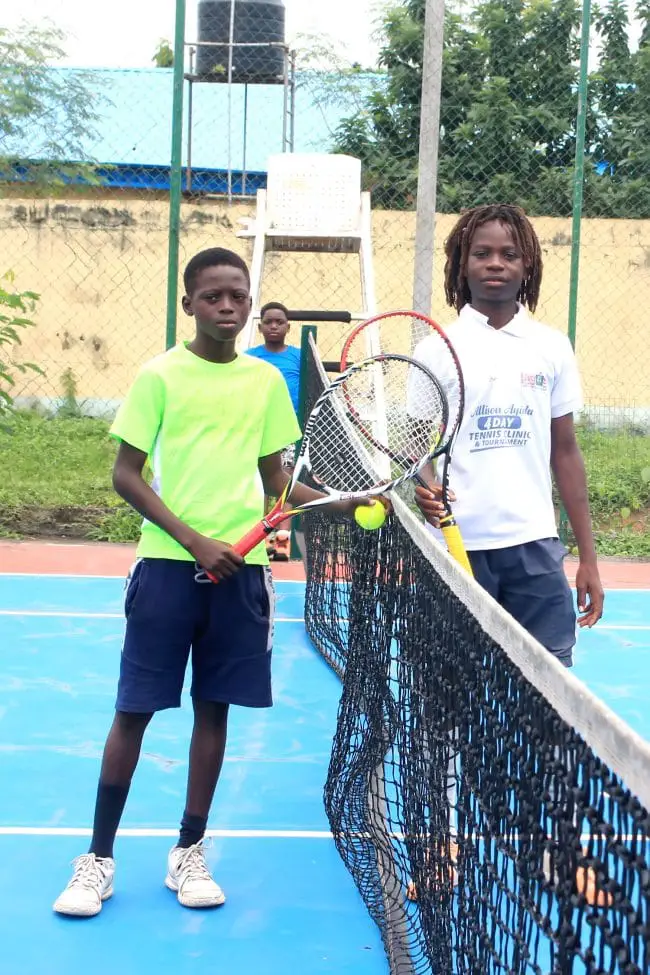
314	193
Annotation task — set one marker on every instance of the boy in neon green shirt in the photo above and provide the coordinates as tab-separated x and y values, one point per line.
213	426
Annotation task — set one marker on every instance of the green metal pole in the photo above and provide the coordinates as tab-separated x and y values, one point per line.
578	194
176	180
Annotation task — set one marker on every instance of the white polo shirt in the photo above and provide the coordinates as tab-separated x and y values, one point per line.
517	379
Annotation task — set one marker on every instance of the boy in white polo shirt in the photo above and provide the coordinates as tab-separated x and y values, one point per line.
521	391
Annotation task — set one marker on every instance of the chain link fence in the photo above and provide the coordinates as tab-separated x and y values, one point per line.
86	175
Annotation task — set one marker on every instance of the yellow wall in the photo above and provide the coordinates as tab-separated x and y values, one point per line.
100	268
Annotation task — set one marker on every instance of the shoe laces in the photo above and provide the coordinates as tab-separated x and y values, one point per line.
87	872
192	863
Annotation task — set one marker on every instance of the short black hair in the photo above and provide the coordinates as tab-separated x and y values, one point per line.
270	305
212	257
459	242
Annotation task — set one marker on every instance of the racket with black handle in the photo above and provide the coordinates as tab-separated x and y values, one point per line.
420	337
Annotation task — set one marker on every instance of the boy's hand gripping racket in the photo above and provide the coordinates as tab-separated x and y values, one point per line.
418	336
340	454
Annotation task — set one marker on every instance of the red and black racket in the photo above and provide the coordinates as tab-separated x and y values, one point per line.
343	455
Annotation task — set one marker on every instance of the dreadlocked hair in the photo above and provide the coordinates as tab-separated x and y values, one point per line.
459	242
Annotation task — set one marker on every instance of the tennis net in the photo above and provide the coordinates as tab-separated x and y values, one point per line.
492	812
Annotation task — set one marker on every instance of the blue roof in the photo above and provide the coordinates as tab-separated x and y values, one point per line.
135	123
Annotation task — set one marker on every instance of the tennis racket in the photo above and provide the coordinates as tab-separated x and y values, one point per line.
420	337
340	454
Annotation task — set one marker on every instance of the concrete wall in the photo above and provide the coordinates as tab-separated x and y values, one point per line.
99	265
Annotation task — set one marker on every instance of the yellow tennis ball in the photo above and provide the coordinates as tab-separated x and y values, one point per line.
370	516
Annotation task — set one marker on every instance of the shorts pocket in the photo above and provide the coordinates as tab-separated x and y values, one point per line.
132	586
268	592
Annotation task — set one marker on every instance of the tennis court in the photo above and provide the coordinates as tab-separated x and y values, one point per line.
291	903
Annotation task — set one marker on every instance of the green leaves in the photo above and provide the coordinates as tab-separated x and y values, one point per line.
15	307
509	109
51	112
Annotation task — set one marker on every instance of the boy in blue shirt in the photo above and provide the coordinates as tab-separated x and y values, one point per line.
274	326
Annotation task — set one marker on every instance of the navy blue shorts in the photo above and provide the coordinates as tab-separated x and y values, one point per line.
171	608
529	582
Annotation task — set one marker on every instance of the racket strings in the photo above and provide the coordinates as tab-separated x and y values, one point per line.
380	420
409	334
338	455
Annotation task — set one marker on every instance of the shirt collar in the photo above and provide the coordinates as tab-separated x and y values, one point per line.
516	326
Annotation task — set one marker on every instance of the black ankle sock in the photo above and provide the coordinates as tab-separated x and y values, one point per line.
108	812
192	830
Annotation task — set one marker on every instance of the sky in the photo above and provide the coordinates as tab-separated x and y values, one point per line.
130	30
127	32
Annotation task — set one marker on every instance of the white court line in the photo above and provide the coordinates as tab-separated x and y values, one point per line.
235	834
57	575
121	575
620	626
229	834
61	614
277	582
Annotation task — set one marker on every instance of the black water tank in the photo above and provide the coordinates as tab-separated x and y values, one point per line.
255	21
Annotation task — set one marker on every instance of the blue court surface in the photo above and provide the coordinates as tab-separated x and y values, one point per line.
291	905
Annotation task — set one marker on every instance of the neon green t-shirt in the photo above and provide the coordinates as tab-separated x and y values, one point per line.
204	426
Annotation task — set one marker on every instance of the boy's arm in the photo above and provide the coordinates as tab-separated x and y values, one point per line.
569	471
275	478
214	556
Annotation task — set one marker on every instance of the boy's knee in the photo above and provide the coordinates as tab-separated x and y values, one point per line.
130	724
210	713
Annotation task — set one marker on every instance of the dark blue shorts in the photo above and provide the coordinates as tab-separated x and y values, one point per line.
529	582
172	608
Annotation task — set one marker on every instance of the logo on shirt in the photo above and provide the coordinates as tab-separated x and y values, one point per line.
496	428
534	380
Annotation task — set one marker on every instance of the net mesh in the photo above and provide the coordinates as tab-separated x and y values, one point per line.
491	811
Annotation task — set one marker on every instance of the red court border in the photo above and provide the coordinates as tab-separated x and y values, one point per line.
89	559
103	559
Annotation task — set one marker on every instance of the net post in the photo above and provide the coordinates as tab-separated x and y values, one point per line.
307	330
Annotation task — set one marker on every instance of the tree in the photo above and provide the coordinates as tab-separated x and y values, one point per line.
384	134
46	116
164	55
508	94
612	86
643	14
621	109
509	108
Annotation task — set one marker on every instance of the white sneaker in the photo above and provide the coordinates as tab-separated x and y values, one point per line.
91	884
188	875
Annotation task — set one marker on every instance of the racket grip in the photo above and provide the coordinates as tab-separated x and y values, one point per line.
455	546
256	535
